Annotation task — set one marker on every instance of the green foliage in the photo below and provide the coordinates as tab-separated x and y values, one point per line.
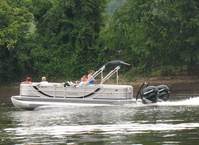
65	38
154	34
15	25
69	30
49	37
113	5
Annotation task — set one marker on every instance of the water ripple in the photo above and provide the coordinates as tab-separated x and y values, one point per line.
59	130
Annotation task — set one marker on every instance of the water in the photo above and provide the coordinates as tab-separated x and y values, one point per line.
170	123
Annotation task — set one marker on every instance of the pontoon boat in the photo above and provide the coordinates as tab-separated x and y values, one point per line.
36	94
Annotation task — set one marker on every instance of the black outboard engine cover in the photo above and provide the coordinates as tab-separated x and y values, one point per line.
149	94
163	92
153	94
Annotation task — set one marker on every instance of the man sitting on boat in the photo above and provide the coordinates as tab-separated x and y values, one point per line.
44	81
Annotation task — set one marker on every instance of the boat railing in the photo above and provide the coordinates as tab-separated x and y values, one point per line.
111	73
113	62
65	92
100	71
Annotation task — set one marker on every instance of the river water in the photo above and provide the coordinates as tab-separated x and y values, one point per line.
171	123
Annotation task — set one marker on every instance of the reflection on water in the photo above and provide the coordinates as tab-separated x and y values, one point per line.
168	124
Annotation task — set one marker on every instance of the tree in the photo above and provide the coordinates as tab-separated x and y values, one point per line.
156	34
15	23
67	33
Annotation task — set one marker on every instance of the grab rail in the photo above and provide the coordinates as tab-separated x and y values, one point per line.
100	71
111	73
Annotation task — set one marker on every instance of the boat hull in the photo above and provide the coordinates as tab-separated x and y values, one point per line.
56	94
30	103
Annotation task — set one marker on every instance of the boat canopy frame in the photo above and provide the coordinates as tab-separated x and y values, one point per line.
111	73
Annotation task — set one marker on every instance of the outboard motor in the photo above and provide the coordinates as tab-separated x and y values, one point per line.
153	94
149	94
163	92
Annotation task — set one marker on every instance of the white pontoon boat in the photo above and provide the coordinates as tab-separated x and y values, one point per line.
36	94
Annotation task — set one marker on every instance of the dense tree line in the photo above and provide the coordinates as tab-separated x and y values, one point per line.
57	38
65	38
15	28
156	36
